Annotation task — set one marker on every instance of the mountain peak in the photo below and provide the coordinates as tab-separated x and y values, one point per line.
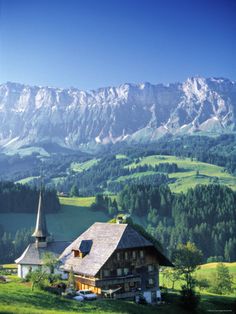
129	112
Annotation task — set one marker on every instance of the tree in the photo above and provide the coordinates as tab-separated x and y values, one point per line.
186	259
222	281
74	190
38	276
171	275
202	283
71	283
50	261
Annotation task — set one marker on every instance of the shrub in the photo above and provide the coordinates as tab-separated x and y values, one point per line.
189	299
202	283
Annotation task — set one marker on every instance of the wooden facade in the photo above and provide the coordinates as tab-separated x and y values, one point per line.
115	259
131	270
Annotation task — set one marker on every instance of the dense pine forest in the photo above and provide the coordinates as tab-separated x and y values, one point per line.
12	246
205	215
18	198
220	151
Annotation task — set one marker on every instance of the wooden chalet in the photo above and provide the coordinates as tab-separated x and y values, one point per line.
110	257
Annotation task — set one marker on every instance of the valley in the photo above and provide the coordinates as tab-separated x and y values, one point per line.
117	157
189	174
73	218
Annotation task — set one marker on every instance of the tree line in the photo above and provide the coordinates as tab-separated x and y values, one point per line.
219	150
18	198
103	175
205	215
12	246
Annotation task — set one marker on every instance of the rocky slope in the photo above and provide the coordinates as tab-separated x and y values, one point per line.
71	118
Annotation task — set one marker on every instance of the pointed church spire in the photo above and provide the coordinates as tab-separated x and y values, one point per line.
40	232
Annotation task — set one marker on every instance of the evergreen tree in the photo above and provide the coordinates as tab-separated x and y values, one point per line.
222	281
74	190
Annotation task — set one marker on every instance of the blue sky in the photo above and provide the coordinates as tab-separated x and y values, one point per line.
94	43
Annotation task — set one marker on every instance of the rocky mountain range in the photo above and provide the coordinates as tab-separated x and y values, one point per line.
71	118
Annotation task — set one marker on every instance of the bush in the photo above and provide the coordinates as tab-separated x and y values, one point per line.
165	296
189	299
202	283
214	259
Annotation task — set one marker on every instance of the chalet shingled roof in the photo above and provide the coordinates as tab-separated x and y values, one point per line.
33	255
106	238
41	226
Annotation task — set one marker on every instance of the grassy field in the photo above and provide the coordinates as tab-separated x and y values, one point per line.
74	218
191	172
80	167
187	177
17	298
205	271
121	156
26	180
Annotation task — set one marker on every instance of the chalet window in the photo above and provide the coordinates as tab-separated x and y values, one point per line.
126	271
132	284
150	268
126	256
77	253
119	271
141	253
118	256
134	254
151	281
126	286
106	272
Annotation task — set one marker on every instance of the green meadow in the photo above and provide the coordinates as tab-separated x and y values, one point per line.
26	180
16	297
205	271
73	218
191	172
83	166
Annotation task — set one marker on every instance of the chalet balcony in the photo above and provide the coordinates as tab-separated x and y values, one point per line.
117	280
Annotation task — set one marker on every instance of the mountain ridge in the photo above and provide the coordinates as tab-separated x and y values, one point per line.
131	112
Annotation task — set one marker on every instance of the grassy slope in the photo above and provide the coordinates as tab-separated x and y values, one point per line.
74	218
205	271
79	167
26	180
184	179
17	297
187	178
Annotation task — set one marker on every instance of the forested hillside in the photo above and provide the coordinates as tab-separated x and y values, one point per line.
62	169
12	246
205	215
18	198
181	189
